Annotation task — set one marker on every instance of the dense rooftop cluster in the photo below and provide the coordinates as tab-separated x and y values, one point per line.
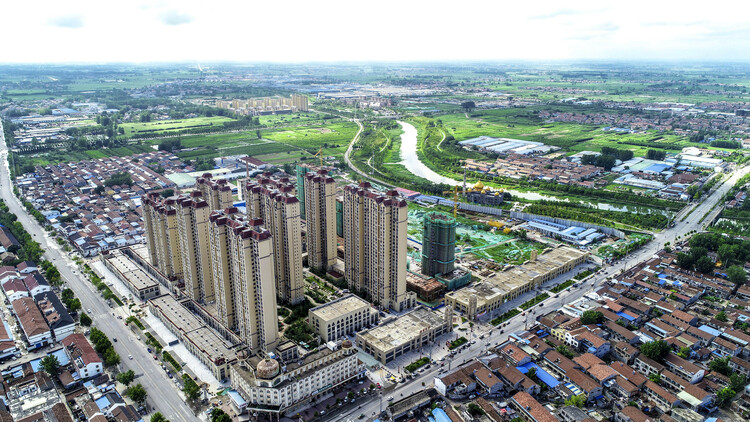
87	204
657	342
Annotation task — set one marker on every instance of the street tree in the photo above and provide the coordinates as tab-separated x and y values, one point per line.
137	393
191	389
85	320
158	417
126	377
111	358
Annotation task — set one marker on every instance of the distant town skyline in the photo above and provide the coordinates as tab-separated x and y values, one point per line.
299	31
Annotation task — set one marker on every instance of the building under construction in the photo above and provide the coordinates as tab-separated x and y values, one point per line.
438	244
439	255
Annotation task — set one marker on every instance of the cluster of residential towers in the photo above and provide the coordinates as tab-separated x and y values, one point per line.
246	263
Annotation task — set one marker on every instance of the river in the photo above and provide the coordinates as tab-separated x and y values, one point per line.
410	160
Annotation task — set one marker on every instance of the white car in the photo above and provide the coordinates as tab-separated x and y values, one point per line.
130	357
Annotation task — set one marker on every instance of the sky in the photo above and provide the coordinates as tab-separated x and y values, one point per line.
140	31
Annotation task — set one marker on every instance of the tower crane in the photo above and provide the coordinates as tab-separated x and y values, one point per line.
320	155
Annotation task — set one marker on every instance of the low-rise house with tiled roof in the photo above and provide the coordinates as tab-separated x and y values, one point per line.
27	267
33	324
583	384
558	364
489	381
632	414
691	396
647	366
530	409
7	272
586	341
7	341
36	284
622	387
572	414
738	365
15	289
460	382
514	380
513	354
624	352
488	409
684	368
58	319
84	359
724	347
663	399
705	337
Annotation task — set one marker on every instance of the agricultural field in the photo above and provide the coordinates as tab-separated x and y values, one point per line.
275	145
166	126
274	120
334	138
573	138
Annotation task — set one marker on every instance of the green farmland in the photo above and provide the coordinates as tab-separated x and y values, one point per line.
572	137
166	126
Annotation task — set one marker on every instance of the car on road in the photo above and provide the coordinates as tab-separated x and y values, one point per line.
114	339
156	357
130	357
89	311
390	398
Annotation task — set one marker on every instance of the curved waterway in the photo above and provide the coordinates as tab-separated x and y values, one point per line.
410	160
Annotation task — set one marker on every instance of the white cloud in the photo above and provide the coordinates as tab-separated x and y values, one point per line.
67	21
174	17
386	30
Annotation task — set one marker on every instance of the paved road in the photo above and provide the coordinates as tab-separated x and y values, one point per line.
163	394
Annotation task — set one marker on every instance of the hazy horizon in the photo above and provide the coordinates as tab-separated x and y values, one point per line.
170	31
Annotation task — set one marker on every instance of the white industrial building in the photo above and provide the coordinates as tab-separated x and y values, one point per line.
572	234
